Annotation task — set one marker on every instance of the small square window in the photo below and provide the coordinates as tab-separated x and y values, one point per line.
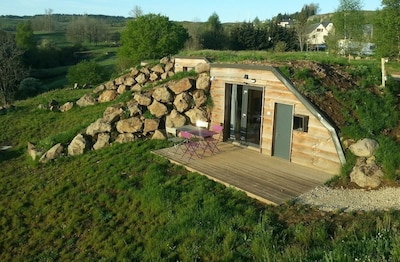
300	123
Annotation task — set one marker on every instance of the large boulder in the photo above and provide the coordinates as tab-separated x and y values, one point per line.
162	94
203	82
129	81
130	125
158	135
107	96
175	119
99	126
199	97
86	100
125	138
133	108
141	79
103	140
53	153
158	109
78	145
66	107
366	174
364	147
99	89
158	69
150	125
196	114
183	102
202	68
182	85
113	114
142	99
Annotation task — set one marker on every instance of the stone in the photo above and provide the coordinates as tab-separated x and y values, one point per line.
99	89
203	82
158	135
366	174
33	152
202	68
199	97
158	69
79	145
66	107
99	126
130	81
162	94
113	113
119	81
134	72
183	102
175	119
122	89
158	109
86	100
169	67
137	88
164	76
125	138
364	147
145	70
130	125
110	85
153	77
182	85
103	140
165	60
142	99
196	114
133	108
107	96
150	125
141	79
53	153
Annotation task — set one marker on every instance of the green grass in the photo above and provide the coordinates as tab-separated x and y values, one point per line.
123	203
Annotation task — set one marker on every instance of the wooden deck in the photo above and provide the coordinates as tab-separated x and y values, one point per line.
268	179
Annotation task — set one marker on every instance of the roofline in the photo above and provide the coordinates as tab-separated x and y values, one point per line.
311	107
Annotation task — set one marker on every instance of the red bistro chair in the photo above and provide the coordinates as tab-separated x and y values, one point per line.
190	145
212	141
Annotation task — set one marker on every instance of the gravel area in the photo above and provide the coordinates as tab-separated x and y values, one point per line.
329	199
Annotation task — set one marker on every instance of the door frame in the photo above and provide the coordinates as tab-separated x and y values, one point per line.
228	108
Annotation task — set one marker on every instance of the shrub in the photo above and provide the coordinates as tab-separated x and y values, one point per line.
388	154
29	87
86	72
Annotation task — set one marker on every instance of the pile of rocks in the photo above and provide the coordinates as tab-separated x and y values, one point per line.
366	173
150	110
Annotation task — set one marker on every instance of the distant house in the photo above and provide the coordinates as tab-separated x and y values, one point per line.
316	35
261	109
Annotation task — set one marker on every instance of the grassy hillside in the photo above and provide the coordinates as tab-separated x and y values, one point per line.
125	203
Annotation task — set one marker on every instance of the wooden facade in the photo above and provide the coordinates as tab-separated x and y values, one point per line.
288	126
184	64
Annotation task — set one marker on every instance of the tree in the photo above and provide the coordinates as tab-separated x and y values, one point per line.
150	37
136	12
86	29
349	22
213	36
24	36
301	22
11	68
248	36
387	29
86	72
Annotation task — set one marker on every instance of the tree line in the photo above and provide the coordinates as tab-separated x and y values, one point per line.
152	36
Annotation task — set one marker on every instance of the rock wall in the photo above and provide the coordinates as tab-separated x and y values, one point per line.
165	104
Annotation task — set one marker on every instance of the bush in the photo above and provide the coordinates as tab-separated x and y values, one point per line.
388	154
29	87
86	72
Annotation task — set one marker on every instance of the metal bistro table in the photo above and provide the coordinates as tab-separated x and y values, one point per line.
201	133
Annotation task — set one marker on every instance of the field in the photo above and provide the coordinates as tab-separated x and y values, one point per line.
123	203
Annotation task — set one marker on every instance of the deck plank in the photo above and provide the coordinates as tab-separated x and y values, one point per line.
268	179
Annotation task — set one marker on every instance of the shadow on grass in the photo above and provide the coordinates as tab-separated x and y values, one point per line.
9	154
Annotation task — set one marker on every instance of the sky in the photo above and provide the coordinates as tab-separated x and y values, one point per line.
175	10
